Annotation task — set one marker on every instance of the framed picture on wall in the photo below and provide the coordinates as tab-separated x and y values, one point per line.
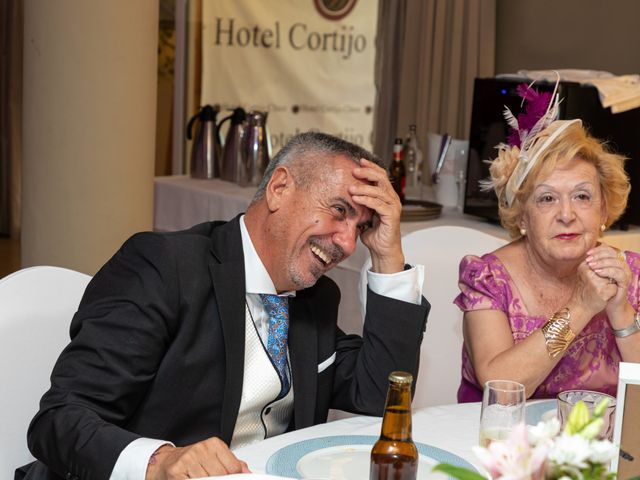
626	431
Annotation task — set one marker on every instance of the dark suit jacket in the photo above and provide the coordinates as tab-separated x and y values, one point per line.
157	350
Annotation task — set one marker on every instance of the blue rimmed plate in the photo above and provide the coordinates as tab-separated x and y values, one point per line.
544	410
347	457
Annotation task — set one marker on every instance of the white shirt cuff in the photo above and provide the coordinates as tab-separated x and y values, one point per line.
133	460
405	286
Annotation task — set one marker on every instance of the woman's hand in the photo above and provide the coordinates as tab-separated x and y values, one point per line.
612	277
592	291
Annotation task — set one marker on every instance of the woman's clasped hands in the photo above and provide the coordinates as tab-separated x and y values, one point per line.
603	280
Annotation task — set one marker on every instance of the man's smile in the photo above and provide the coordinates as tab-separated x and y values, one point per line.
318	252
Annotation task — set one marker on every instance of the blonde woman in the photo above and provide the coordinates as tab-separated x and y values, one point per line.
556	308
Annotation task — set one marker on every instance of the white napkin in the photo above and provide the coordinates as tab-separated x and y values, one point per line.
621	93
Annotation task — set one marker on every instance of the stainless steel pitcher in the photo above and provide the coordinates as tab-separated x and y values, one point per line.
206	151
257	147
234	164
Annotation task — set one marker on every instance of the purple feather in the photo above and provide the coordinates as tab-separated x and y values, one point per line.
535	108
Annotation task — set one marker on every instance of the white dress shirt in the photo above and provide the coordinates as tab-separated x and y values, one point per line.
406	286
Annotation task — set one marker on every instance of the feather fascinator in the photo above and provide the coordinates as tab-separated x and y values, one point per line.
525	140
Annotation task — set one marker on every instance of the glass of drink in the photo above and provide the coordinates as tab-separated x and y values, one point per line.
502	409
567	399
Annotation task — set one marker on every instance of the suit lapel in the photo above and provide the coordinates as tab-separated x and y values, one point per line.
228	278
303	352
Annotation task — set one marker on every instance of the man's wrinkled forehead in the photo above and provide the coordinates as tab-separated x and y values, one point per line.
355	211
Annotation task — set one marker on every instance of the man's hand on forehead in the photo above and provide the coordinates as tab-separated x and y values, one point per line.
383	238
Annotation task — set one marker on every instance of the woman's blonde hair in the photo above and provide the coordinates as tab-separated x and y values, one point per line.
573	142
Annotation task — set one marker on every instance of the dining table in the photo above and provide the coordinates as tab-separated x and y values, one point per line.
446	432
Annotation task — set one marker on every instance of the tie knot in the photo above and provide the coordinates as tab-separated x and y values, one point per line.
275	305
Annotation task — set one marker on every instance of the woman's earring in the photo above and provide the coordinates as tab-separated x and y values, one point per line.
523	231
603	227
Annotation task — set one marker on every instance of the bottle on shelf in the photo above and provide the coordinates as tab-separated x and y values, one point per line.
397	170
394	456
413	161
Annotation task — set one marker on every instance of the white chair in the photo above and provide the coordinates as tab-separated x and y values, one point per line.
440	250
36	307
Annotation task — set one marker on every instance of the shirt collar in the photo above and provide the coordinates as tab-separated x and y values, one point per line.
256	277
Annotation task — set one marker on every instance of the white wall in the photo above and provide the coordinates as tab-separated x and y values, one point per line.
89	117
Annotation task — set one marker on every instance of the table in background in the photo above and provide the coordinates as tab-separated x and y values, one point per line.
453	428
181	201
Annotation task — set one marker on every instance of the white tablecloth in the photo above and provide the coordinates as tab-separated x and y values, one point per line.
181	201
453	428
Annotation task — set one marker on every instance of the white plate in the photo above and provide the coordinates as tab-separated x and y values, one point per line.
244	476
347	457
540	411
347	462
549	414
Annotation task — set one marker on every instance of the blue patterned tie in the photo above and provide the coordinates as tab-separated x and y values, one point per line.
278	311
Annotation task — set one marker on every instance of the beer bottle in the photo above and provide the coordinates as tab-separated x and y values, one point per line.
397	171
394	456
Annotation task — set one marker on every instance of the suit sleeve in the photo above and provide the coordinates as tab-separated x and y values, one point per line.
118	337
392	335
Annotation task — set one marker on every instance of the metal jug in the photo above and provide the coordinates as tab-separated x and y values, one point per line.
206	151
257	147
234	165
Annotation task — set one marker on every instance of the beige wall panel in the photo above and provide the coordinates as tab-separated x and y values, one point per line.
553	34
89	128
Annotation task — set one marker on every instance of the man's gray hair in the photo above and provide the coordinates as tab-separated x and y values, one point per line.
303	152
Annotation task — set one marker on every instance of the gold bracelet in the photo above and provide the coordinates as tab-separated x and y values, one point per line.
557	332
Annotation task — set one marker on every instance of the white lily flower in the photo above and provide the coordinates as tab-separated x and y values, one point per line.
602	451
543	432
570	450
513	459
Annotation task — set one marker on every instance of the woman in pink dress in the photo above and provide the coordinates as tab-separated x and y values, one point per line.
557	308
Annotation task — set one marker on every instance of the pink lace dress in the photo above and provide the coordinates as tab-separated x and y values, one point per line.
590	363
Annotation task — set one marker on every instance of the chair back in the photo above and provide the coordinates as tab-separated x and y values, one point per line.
440	250
36	307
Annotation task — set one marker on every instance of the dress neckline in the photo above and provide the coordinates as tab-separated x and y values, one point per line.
515	290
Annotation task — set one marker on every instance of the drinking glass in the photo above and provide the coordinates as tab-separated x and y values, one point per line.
568	398
502	409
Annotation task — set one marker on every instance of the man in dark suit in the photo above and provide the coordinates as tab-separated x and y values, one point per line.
176	353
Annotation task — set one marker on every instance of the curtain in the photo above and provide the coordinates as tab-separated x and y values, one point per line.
429	52
10	115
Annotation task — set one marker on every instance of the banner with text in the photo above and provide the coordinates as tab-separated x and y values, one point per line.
309	63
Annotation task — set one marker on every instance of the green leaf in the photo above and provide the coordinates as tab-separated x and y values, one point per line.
458	472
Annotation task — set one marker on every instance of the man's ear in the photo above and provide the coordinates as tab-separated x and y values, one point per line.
279	187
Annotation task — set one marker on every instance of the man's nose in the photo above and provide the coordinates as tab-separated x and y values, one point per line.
347	237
